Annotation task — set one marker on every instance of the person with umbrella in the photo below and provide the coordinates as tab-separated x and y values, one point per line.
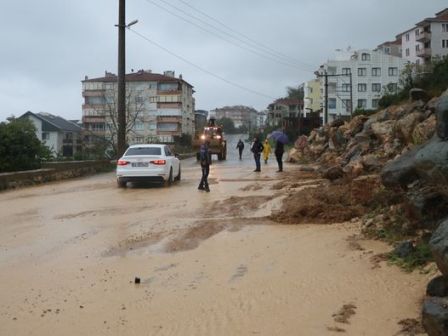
280	140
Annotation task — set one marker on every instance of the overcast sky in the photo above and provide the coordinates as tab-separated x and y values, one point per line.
48	46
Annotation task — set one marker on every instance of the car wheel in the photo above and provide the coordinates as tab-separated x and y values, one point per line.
178	175
170	178
121	183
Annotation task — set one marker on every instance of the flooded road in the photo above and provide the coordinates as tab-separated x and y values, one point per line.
209	263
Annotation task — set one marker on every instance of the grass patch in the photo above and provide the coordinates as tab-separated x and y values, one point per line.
420	257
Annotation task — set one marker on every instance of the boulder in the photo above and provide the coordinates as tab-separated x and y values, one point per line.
371	162
336	139
439	247
442	118
337	123
333	173
405	126
435	316
404	249
437	287
424	130
385	130
418	94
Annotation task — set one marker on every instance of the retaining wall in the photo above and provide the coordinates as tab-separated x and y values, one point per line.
53	171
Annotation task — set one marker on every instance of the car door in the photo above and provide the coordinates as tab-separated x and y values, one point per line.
172	160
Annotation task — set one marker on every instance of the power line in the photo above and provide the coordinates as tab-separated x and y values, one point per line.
261	45
244	47
198	67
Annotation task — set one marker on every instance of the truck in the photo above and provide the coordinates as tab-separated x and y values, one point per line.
214	135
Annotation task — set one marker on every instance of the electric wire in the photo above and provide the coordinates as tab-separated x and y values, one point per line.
247	38
199	67
239	45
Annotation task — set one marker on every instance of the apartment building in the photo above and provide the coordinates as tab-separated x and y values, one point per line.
372	73
392	48
158	107
284	110
240	114
427	40
312	99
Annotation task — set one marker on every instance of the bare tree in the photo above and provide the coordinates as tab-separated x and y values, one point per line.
135	106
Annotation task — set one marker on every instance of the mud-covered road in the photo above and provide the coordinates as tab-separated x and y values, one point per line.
209	263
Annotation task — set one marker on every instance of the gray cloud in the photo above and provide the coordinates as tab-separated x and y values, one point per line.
49	46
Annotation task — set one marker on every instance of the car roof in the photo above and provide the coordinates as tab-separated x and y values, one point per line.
147	145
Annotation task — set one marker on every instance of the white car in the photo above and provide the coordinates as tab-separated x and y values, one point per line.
148	163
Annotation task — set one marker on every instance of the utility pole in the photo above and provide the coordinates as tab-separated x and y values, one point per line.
326	98
351	95
121	104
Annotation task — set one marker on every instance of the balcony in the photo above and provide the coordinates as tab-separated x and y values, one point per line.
424	36
168	119
425	52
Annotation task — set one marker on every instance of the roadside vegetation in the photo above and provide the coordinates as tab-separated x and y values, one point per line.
20	149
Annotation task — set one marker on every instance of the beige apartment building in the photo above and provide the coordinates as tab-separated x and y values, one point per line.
158	107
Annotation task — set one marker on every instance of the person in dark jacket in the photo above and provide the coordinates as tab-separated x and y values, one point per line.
279	150
205	159
240	146
257	149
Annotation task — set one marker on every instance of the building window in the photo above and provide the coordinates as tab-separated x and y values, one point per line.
417	47
362	87
332	103
362	72
392	87
153	99
347	104
376	87
362	103
139	99
45	136
346	71
417	32
387	50
444	43
407	52
139	126
345	87
445	27
376	72
375	103
407	37
365	57
393	71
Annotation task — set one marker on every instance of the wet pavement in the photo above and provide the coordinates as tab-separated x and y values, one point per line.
209	263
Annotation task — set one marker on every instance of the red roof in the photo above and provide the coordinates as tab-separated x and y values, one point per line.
139	76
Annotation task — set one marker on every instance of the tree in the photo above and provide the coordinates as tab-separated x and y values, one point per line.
20	149
227	125
135	105
295	92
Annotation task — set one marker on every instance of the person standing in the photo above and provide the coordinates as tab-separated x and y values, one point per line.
279	150
257	149
205	159
266	151
240	146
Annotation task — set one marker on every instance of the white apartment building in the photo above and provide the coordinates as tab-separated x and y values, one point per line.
312	96
240	114
427	40
158	106
372	73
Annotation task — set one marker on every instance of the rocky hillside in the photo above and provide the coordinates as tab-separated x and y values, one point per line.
389	169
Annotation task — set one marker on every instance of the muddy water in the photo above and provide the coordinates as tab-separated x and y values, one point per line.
209	264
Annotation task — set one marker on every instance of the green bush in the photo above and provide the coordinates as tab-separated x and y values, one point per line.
20	149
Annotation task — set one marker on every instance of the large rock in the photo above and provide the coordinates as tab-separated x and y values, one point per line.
442	118
418	94
437	287
424	131
333	173
439	247
435	316
384	130
405	126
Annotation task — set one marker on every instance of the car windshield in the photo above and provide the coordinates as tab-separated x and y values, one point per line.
143	151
